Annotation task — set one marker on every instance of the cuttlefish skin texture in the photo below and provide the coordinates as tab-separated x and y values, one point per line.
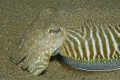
91	43
44	36
92	48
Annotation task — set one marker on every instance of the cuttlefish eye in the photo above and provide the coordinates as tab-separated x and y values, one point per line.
50	31
54	31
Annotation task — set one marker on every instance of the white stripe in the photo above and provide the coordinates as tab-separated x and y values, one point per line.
81	31
118	26
100	42
75	33
107	42
114	41
68	49
37	72
87	49
79	44
72	45
39	58
93	42
118	34
85	32
31	67
41	66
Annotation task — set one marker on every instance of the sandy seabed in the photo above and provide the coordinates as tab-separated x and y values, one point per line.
16	15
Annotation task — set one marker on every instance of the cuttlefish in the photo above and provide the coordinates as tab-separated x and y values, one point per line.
88	41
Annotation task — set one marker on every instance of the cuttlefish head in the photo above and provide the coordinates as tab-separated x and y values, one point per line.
51	41
41	40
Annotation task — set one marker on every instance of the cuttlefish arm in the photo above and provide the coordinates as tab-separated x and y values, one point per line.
41	40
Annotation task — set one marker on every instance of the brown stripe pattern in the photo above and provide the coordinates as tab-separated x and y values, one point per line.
92	42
